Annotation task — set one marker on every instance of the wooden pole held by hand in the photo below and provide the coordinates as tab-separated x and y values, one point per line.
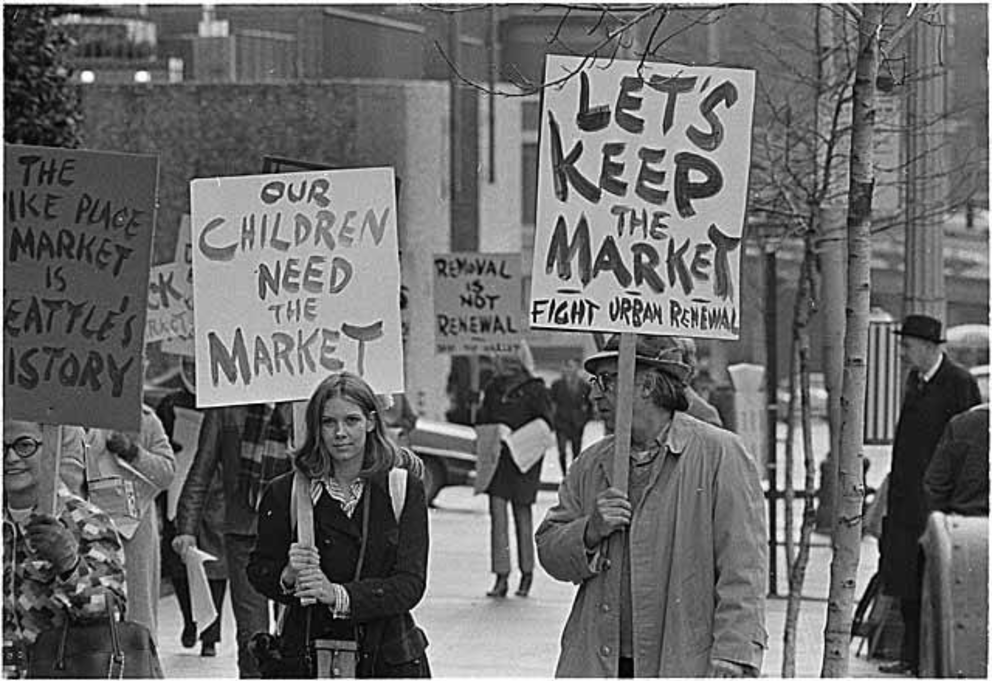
304	517
48	484
299	423
624	411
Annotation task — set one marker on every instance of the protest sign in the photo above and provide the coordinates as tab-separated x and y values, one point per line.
641	198
170	303
77	247
477	303
295	277
182	344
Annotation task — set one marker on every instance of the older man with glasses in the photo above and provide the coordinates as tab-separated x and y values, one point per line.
672	573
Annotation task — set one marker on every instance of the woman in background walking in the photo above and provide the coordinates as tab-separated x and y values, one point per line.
514	397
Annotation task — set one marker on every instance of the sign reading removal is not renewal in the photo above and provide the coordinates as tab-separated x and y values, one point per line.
477	303
642	194
78	231
296	276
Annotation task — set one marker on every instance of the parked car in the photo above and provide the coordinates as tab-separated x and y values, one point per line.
818	396
448	452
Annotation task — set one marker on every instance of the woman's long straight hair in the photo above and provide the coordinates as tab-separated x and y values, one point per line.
313	459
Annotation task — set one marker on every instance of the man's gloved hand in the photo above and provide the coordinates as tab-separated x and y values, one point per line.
50	540
612	513
122	446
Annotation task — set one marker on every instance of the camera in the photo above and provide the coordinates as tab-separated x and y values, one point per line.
14	660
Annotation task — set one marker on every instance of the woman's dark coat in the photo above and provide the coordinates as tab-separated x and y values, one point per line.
514	401
392	581
924	415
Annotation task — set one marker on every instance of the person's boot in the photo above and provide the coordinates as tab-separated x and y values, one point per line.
188	637
208	649
500	588
900	667
526	580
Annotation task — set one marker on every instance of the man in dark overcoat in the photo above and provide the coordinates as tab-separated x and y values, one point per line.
936	389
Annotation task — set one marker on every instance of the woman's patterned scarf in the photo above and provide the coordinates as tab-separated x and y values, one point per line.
264	448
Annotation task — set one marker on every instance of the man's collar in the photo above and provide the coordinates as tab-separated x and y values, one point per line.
928	375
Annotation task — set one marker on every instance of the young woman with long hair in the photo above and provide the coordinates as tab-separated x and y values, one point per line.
368	567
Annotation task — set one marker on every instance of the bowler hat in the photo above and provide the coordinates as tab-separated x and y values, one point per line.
921	326
660	352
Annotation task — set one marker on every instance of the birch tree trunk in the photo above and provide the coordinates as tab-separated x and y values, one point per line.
830	246
800	353
846	538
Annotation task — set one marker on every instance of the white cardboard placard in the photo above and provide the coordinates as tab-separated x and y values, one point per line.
296	276
477	303
642	194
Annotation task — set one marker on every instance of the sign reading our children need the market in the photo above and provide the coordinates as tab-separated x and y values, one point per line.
295	277
477	303
642	194
78	229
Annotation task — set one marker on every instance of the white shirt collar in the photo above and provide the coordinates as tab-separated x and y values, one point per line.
928	375
20	515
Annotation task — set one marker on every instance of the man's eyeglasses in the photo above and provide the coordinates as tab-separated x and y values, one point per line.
604	381
24	446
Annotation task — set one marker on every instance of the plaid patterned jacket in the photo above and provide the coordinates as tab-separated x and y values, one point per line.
35	599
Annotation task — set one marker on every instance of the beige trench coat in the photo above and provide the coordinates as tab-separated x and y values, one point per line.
698	560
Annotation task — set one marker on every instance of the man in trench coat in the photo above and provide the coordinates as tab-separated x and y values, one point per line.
672	575
936	389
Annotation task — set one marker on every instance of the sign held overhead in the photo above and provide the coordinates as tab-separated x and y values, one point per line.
78	229
642	194
295	277
477	303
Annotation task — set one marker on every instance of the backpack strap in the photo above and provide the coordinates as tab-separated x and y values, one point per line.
300	505
397	490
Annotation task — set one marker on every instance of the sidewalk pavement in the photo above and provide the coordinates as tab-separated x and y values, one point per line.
478	637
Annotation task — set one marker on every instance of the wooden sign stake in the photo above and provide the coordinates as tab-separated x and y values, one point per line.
299	423
625	409
48	484
304	517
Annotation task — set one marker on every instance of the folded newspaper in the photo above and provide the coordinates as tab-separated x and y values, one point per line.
528	443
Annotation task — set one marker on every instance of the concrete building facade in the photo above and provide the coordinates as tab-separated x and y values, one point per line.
468	161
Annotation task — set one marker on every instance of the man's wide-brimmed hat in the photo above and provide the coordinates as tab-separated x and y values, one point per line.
660	352
921	326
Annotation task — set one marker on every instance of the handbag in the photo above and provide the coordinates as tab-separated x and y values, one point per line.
112	494
98	649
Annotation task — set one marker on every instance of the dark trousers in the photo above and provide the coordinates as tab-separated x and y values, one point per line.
218	588
251	609
910	650
566	437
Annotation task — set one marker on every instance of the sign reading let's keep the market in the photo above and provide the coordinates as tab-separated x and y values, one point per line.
295	276
642	194
78	229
